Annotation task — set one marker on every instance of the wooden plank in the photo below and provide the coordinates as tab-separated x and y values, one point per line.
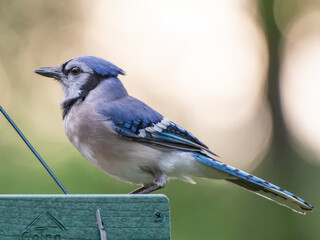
56	217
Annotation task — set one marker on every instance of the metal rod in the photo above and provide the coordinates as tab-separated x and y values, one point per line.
32	149
103	234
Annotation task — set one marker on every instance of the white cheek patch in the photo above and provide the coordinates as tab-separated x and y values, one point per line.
72	83
71	91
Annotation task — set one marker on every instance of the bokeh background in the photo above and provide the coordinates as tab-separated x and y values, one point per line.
242	75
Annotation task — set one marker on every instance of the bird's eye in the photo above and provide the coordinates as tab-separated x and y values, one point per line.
75	71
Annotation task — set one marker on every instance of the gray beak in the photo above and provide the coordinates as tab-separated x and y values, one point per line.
52	72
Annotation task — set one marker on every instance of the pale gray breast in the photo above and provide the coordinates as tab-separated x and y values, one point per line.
91	133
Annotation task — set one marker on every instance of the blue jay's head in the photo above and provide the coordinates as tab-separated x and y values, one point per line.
80	75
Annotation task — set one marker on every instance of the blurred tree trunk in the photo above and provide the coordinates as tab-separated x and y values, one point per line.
277	164
280	144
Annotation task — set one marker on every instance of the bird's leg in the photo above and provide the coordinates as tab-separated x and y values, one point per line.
159	182
138	190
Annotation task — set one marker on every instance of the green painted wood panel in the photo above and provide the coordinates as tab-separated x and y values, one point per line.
56	217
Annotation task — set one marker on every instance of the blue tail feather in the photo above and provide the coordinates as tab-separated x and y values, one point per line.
257	185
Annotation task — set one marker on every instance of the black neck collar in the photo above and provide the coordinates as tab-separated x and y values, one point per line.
68	104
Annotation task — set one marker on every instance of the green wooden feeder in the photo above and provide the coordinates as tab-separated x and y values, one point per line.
125	217
77	217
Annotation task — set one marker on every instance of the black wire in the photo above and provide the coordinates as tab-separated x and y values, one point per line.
33	150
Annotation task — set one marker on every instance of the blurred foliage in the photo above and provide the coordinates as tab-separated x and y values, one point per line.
209	210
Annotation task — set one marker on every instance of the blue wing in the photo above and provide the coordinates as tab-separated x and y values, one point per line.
136	121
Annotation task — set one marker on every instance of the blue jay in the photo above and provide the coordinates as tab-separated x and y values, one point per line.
130	141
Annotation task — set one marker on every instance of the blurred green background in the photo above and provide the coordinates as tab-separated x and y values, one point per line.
242	75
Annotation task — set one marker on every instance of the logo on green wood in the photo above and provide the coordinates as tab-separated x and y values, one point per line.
44	226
